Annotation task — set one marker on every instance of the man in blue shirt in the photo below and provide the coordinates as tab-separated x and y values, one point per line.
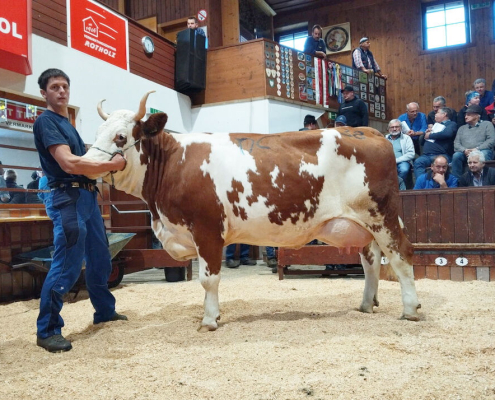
416	121
486	97
314	44
438	177
78	230
437	141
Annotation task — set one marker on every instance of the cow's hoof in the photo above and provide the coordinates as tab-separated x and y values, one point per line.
414	317
205	328
366	309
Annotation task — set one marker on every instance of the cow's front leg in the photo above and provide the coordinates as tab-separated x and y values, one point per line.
210	283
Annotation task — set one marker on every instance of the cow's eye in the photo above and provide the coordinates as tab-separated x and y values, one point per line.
121	137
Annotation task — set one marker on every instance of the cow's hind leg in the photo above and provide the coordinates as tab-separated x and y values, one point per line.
399	253
371	261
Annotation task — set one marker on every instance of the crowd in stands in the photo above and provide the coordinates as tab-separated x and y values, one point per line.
446	148
19	195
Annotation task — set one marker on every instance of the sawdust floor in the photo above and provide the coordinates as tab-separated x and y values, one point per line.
300	338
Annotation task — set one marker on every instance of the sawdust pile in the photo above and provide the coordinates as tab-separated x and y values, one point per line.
300	338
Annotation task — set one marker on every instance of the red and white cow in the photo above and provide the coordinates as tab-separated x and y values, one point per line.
206	191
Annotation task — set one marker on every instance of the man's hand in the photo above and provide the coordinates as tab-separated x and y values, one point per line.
427	133
467	152
119	161
320	54
384	77
440	179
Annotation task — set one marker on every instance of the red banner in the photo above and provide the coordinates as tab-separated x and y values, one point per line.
15	36
20	116
97	31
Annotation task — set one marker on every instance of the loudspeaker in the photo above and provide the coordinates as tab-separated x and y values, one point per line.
190	62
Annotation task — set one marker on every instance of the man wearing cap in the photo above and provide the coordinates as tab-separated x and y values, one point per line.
403	148
362	58
416	121
353	109
309	123
436	141
474	135
314	44
340	121
472	99
479	174
4	195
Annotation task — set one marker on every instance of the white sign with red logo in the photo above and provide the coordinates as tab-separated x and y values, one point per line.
202	14
15	36
98	31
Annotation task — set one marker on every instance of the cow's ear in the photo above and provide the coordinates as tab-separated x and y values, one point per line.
154	124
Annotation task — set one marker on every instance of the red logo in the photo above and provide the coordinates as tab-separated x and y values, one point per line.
15	36
99	32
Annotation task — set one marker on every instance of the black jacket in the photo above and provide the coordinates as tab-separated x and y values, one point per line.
355	112
488	177
444	141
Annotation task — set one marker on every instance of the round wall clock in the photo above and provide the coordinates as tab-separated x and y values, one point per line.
148	45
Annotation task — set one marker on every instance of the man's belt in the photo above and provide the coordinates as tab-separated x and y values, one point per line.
91	187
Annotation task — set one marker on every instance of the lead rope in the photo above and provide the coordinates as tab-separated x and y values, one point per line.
112	155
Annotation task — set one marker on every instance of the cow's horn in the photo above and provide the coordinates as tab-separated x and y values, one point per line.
102	113
142	107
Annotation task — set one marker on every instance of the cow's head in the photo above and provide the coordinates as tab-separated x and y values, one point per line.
121	132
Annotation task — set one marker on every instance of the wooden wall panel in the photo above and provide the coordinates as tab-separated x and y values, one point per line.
395	30
50	20
160	66
236	72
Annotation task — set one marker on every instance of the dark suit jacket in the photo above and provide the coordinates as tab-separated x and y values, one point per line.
488	177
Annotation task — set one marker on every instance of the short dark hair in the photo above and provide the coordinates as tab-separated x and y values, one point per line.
51	73
316	27
194	18
447	111
309	119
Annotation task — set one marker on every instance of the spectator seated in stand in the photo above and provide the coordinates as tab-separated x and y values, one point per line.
472	99
416	122
403	148
486	96
439	102
438	140
32	197
11	181
438	177
4	195
479	174
474	135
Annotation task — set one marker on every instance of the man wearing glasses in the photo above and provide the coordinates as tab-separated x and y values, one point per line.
403	148
438	177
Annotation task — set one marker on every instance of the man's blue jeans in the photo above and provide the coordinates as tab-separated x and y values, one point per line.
230	251
78	234
403	169
459	161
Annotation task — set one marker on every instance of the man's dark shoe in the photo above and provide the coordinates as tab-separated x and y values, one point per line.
54	344
248	261
232	264
272	263
329	267
118	317
115	317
